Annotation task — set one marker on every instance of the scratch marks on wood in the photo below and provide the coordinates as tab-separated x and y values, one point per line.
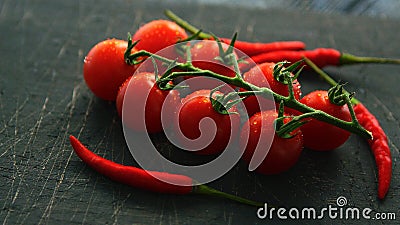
20	167
118	206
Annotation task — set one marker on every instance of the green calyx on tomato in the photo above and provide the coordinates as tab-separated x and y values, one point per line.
286	130
284	75
188	126
225	56
338	96
128	51
222	103
255	143
104	68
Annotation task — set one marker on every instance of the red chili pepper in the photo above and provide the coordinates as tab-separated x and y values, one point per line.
249	48
379	146
143	179
321	57
255	48
130	175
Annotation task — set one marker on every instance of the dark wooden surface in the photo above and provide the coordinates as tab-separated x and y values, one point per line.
43	99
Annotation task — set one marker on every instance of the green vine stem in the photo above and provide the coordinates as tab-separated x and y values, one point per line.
206	190
190	70
192	29
327	78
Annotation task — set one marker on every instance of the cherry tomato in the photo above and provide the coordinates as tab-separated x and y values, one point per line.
104	68
157	35
202	92
259	131
161	37
262	76
195	108
142	100
319	135
120	96
204	55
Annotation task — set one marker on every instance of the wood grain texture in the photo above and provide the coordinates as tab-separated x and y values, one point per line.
43	99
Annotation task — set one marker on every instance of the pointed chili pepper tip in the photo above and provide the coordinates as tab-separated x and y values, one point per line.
72	138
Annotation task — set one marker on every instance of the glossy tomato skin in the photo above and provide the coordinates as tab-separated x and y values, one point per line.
120	96
319	135
193	109
157	35
141	99
104	68
203	56
283	152
262	76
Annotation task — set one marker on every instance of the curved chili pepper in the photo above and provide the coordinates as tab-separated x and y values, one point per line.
255	48
321	57
143	179
130	175
379	146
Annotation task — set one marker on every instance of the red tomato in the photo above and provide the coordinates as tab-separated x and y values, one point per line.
104	68
262	76
259	131
196	107
319	135
157	35
203	56
120	96
202	92
143	101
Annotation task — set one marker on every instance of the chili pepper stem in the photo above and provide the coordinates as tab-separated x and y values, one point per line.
346	59
206	190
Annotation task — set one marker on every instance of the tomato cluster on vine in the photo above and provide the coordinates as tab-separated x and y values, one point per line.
139	97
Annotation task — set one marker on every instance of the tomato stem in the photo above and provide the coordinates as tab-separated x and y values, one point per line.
192	29
353	115
129	48
286	130
326	77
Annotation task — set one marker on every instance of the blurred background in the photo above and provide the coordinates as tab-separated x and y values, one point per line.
371	8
